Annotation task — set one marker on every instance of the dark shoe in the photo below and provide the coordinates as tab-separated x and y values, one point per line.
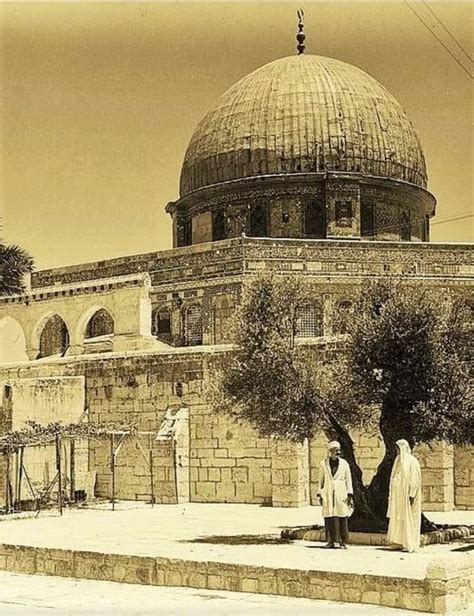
343	546
330	545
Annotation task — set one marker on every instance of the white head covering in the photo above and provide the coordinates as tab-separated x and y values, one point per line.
405	453
334	445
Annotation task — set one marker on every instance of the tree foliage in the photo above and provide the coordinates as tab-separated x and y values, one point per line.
409	353
403	364
15	264
280	385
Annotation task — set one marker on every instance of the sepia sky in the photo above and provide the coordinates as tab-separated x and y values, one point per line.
99	100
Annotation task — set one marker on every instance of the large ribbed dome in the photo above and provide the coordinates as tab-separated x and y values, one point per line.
301	114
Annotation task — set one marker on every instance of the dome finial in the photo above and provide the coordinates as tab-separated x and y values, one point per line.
300	36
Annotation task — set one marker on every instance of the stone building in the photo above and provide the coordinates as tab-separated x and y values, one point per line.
307	165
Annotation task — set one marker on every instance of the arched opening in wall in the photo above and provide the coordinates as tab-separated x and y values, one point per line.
315	220
405	226
224	308
342	316
219	226
193	325
100	324
161	323
12	341
367	220
54	338
310	321
258	221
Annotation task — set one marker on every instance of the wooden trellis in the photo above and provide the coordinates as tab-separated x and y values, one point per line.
14	444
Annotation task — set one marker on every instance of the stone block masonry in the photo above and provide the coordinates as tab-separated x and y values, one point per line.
447	585
227	462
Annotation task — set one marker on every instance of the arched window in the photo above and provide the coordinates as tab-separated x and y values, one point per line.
219	226
367	220
258	222
54	339
405	226
310	321
193	325
100	324
224	308
161	323
314	220
342	316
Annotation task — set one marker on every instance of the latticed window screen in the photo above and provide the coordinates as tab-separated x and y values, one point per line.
405	226
343	313
193	325
161	322
310	321
224	308
314	219
100	324
258	222
219	226
54	339
367	220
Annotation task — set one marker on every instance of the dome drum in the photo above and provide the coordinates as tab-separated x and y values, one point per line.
306	206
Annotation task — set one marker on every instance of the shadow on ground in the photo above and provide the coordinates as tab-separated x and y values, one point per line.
239	540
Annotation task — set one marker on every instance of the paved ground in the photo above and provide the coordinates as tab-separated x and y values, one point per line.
185	531
26	595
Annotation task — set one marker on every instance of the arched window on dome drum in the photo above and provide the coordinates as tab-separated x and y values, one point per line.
342	316
426	230
314	219
219	226
367	220
224	308
193	325
100	324
405	226
258	222
310	321
54	339
161	322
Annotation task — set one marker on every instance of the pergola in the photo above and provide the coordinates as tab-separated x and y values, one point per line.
14	443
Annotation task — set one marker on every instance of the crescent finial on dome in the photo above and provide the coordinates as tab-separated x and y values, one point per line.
300	36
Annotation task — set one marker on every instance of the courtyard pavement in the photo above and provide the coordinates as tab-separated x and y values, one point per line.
208	532
24	595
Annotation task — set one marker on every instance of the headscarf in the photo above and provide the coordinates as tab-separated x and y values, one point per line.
334	445
404	456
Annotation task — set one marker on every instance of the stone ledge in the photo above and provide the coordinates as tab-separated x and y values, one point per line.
308	533
447	585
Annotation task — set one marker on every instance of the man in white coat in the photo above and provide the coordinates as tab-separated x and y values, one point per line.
404	502
335	495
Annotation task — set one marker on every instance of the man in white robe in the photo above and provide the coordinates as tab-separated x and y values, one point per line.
404	503
335	495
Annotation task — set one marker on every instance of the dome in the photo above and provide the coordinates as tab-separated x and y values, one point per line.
303	114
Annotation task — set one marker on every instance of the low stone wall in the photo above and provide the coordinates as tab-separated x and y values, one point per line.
448	585
319	534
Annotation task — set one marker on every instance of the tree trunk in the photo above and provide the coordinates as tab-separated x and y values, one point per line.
364	518
392	428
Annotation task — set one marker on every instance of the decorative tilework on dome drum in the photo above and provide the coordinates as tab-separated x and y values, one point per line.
302	114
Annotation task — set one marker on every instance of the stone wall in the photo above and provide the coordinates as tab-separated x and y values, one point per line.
463	478
228	462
